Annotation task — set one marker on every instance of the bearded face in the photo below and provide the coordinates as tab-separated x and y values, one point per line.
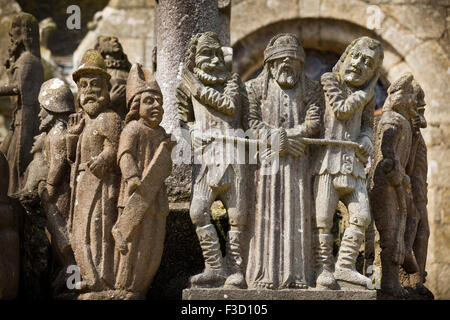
93	94
46	120
359	65
209	61
286	71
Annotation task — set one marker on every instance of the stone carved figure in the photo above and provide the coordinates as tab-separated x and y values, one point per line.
25	75
283	102
36	173
417	227
348	119
212	99
92	144
392	199
118	66
144	157
57	103
9	239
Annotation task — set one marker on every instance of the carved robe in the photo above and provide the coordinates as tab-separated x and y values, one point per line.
135	270
95	200
280	246
27	74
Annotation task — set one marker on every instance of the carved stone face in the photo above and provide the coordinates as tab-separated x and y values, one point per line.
150	109
15	34
46	120
359	65
209	57
420	105
93	94
286	71
109	45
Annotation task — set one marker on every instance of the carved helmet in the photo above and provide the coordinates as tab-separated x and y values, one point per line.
55	96
91	63
284	45
140	80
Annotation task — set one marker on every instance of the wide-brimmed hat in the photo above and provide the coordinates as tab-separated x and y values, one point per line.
91	63
140	80
55	96
284	45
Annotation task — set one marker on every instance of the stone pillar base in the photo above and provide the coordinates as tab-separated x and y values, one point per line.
111	295
286	294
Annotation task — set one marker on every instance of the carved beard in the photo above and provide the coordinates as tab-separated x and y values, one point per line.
209	78
286	76
46	123
93	108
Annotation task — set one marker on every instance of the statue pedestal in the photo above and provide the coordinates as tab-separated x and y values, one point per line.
286	294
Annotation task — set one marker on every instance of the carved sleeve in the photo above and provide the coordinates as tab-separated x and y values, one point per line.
244	106
343	107
219	101
314	104
9	90
184	104
57	163
390	138
260	129
127	152
367	120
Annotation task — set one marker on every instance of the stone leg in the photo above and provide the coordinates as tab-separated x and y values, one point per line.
214	274
326	199
359	214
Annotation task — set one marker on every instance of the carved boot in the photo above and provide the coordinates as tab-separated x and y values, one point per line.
410	264
214	274
348	253
325	259
236	278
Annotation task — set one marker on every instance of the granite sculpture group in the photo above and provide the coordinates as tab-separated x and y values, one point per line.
98	165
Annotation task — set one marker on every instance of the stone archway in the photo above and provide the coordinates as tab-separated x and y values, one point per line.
415	39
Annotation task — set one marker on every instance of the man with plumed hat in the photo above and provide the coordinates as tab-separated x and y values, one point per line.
144	158
92	141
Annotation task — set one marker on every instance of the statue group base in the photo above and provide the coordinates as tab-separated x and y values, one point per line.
285	294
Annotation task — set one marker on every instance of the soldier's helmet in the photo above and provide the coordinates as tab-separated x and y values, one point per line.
91	63
55	96
140	80
284	45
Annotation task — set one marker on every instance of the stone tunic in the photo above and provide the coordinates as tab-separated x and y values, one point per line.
136	269
280	226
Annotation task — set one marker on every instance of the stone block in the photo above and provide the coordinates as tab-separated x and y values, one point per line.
287	294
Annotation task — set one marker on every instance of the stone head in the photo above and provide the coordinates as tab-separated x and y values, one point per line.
285	59
419	98
401	97
24	34
92	81
360	62
144	97
205	58
108	45
56	101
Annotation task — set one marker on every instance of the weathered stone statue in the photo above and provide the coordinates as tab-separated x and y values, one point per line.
211	99
394	210
348	119
283	102
118	66
145	162
92	144
9	239
57	104
36	173
25	75
417	227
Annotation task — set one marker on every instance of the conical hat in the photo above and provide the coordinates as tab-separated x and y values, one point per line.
140	80
92	62
55	96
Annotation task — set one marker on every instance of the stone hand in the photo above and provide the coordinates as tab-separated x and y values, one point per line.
41	190
98	167
51	191
365	146
312	115
117	92
416	122
133	184
75	124
191	82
